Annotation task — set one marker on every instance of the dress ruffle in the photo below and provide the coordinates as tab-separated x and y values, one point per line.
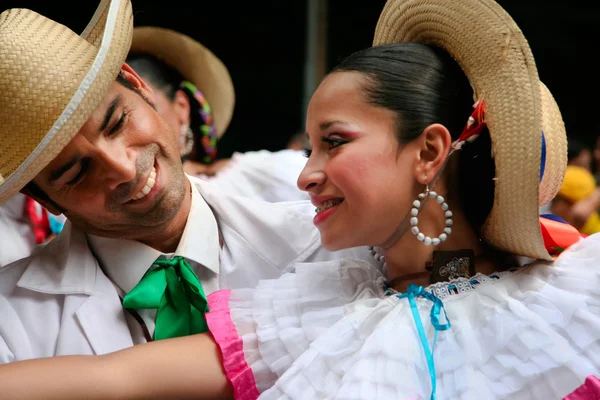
329	332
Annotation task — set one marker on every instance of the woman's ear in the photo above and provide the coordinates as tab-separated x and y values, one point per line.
434	143
181	106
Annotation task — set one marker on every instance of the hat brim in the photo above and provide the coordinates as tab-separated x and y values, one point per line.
195	63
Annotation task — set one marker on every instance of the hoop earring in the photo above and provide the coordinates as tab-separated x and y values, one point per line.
186	140
414	220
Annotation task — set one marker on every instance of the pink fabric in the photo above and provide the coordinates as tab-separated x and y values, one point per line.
590	390
221	326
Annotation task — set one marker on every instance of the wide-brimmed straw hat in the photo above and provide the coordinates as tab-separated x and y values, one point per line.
528	137
51	80
195	63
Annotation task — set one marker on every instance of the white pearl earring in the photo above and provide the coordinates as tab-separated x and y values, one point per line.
414	220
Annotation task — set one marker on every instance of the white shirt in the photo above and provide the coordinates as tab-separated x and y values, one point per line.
16	237
59	301
263	175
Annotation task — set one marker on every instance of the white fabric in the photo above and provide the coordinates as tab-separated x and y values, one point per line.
329	332
263	175
59	302
16	237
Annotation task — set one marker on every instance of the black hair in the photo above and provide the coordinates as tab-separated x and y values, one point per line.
423	85
168	80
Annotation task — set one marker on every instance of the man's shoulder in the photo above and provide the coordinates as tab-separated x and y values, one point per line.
221	200
11	273
281	233
53	264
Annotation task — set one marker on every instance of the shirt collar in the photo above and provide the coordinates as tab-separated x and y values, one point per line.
63	266
126	261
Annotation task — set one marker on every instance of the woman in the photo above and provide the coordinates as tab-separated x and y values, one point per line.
391	166
195	96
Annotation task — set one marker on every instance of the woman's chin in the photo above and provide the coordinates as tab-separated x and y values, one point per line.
335	243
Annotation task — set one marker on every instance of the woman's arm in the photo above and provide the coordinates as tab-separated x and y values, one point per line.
182	368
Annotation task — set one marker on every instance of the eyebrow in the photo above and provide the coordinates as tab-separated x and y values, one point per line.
325	125
54	176
110	111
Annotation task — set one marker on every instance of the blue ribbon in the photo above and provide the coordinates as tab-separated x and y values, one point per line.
413	292
553	217
543	158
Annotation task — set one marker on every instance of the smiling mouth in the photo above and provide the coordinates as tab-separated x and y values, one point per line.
147	187
328	204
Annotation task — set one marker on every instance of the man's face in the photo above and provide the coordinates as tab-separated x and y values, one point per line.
121	175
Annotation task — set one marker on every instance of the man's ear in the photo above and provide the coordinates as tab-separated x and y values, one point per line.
137	82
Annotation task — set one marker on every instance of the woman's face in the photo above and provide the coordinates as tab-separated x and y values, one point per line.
358	176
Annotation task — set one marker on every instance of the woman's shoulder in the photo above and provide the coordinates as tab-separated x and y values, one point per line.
580	262
586	251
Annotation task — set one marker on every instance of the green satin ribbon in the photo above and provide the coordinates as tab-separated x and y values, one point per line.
174	290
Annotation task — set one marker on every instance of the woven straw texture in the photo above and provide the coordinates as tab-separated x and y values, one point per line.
195	63
45	86
496	58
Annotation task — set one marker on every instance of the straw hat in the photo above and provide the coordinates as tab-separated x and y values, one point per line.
51	80
195	63
497	60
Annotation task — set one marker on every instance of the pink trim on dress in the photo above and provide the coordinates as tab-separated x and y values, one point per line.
221	326
590	390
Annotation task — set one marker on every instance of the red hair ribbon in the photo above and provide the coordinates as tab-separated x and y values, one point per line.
558	235
474	126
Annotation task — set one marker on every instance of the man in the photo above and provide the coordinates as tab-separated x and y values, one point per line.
81	136
195	95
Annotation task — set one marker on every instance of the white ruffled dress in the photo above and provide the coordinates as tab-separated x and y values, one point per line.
332	331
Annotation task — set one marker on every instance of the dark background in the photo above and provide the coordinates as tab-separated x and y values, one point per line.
263	45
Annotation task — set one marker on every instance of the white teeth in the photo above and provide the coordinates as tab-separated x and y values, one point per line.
148	186
328	204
